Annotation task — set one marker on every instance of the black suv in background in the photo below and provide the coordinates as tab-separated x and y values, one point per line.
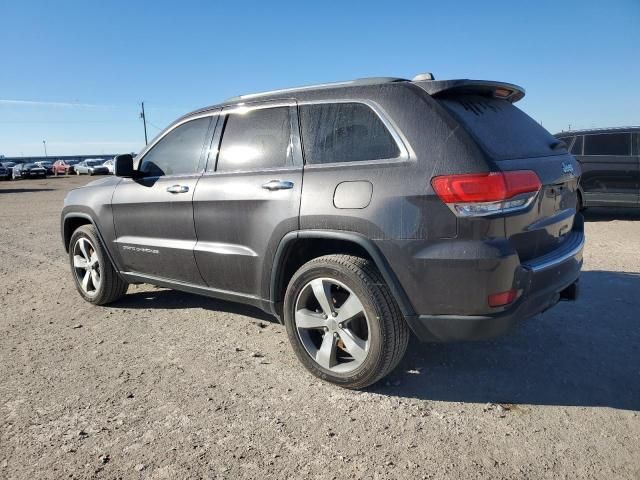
610	161
354	212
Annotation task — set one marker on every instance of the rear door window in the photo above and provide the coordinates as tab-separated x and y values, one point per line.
344	132
608	144
256	140
500	128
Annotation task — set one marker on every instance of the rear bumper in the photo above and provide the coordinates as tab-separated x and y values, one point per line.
543	282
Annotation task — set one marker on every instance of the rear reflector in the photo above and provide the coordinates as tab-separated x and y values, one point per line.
503	298
487	193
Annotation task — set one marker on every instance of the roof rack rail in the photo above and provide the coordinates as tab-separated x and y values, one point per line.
354	83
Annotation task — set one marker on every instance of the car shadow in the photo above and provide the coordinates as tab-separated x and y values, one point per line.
585	353
604	214
170	299
25	190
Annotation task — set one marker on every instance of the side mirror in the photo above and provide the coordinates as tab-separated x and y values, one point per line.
123	166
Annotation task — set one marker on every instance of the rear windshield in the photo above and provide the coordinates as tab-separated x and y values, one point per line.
502	130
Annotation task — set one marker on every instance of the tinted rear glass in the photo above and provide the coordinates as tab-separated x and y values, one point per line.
608	144
501	129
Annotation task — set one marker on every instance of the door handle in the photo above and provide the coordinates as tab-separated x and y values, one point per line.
278	185
178	189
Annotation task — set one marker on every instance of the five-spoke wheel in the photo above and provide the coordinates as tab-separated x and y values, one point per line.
94	275
342	321
86	266
332	325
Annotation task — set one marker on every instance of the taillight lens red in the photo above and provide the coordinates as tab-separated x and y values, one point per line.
485	187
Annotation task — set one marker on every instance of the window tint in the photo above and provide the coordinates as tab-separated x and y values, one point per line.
500	128
255	140
636	142
344	132
576	149
608	144
178	153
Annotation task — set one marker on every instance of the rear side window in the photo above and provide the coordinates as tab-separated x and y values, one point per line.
178	152
344	132
576	149
255	140
501	129
608	144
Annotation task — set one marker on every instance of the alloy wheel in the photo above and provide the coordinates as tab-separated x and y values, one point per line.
86	266
332	325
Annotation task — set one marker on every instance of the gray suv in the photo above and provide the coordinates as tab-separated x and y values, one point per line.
354	212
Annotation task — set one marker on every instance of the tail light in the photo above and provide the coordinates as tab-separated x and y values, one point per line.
479	194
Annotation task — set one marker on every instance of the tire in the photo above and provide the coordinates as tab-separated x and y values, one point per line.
379	320
110	286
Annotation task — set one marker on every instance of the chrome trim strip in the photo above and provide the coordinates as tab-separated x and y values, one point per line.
551	260
224	249
156	242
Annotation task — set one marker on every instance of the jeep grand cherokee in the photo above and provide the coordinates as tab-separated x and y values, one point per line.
354	212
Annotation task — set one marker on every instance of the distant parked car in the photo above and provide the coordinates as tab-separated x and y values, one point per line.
91	167
109	164
47	165
5	173
28	170
64	167
8	166
610	160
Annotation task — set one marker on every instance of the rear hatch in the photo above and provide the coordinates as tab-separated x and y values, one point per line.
511	140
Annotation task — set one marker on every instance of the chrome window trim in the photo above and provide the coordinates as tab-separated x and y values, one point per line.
406	152
140	157
242	108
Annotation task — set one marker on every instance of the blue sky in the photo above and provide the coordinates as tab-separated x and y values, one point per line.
73	73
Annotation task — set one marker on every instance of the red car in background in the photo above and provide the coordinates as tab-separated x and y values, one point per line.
63	167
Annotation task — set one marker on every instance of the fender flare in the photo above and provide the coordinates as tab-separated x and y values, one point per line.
86	216
368	245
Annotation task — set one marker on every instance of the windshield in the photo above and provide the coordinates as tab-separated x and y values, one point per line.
93	163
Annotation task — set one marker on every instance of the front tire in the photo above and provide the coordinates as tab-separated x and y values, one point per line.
343	322
94	276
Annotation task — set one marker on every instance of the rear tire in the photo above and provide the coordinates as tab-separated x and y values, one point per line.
92	271
363	346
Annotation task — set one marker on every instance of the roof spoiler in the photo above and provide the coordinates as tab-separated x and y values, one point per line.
506	91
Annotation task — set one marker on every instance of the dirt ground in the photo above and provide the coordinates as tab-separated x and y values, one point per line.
165	384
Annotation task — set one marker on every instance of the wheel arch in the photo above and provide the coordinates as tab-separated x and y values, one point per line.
298	247
74	220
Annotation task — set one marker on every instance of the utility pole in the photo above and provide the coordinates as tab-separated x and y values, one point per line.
144	122
44	144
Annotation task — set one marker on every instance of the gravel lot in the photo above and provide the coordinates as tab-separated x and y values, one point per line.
170	385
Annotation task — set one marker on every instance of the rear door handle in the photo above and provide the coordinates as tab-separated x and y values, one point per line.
178	189
278	185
